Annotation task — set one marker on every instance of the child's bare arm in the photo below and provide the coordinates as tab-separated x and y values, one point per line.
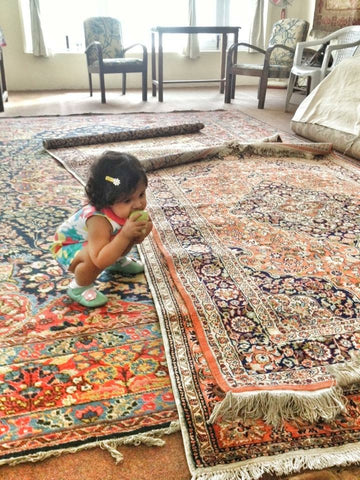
104	249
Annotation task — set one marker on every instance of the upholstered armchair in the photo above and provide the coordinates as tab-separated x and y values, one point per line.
105	54
277	58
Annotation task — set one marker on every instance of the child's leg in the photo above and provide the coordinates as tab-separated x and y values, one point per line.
127	265
85	271
81	289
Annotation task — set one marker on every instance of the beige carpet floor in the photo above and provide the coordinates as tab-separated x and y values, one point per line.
143	463
34	103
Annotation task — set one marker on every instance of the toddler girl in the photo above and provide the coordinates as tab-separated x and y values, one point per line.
100	234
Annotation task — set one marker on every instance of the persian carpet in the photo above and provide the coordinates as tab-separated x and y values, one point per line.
73	378
70	378
254	270
254	267
77	152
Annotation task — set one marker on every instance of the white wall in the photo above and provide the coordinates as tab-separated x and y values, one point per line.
68	71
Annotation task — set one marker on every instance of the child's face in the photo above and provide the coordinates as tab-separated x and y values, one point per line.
136	201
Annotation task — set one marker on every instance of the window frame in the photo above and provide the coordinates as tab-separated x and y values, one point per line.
71	42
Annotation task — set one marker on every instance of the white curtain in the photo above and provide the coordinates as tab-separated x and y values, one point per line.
257	36
37	35
192	49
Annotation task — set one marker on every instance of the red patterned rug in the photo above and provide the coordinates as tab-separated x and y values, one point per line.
254	266
72	378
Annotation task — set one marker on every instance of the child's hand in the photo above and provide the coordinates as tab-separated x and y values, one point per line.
134	228
141	216
145	232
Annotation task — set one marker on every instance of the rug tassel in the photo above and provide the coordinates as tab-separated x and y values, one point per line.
151	439
276	406
285	464
347	373
111	448
273	146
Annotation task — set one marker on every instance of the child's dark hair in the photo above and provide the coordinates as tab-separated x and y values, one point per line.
123	166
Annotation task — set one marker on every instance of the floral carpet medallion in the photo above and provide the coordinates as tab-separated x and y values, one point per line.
255	269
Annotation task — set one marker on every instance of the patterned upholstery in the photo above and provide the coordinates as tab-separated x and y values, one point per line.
107	31
287	32
278	58
105	53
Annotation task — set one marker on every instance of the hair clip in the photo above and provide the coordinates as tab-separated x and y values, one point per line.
115	181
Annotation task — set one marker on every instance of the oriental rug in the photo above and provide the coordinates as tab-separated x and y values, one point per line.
254	269
254	265
70	378
191	131
73	378
39	319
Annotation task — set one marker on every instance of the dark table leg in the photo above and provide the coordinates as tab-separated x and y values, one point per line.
161	73
153	64
233	77
223	59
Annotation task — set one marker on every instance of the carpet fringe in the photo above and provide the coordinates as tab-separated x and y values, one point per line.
284	464
276	406
150	439
273	146
347	373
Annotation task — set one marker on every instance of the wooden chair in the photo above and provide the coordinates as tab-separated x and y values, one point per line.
3	89
339	45
278	57
105	54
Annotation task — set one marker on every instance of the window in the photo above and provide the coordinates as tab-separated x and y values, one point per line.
224	12
62	21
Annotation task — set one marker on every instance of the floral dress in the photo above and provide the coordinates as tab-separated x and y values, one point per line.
72	235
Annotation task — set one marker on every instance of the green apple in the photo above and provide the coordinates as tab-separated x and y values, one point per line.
144	217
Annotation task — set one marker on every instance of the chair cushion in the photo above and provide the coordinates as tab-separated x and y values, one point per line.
288	31
275	71
118	65
113	62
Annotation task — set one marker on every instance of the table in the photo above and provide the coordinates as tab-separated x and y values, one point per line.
160	31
